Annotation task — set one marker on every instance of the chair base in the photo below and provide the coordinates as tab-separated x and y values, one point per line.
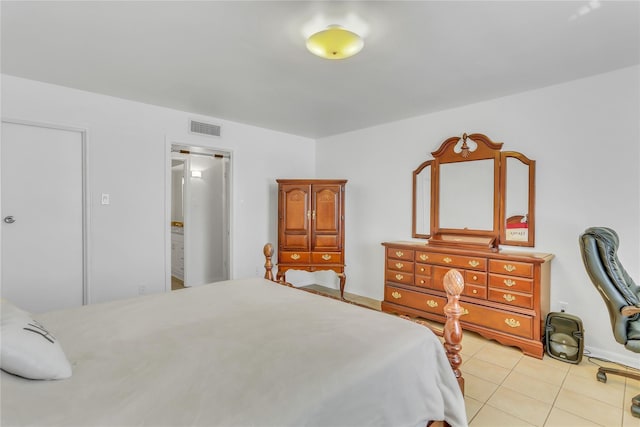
635	406
602	377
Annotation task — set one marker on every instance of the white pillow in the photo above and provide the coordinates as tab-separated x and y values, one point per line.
27	349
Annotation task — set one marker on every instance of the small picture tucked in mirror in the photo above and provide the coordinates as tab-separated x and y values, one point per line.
517	228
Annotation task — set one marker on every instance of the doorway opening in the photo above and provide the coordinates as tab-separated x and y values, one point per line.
200	215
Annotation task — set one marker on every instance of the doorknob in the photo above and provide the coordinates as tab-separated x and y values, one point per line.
9	219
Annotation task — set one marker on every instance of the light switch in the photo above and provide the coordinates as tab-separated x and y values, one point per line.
105	198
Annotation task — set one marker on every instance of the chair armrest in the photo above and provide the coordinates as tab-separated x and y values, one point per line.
629	310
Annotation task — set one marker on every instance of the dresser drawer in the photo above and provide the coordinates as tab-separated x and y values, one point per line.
474	263
511	283
399	277
423	256
396	253
510	267
504	321
400	265
295	257
475	278
476	291
326	257
512	298
424	282
423	269
417	300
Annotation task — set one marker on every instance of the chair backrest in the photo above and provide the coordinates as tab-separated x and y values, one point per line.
599	246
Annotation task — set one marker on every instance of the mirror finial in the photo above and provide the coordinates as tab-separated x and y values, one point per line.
465	148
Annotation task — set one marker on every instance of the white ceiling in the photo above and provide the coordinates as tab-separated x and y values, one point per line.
246	61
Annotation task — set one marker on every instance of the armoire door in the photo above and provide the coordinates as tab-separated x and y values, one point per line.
42	211
295	217
326	213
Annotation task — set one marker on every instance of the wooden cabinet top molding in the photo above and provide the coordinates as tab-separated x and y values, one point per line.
311	181
535	257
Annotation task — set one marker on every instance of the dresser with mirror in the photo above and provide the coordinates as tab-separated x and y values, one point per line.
470	201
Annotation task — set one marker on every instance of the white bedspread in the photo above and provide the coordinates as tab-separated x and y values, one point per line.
238	353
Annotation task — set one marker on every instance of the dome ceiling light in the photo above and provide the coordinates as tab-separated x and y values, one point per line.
335	42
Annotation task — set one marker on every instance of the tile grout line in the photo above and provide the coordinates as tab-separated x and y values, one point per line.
486	403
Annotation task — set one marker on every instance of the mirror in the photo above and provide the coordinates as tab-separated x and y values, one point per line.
517	222
472	182
177	193
422	199
474	195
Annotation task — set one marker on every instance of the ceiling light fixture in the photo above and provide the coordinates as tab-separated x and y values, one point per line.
335	43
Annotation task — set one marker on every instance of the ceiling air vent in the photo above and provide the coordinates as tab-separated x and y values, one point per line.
204	128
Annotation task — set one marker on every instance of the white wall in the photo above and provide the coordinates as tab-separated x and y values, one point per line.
583	134
585	138
128	158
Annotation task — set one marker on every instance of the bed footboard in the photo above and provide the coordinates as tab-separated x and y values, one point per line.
452	331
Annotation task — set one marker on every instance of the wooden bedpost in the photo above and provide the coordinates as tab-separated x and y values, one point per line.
268	265
453	284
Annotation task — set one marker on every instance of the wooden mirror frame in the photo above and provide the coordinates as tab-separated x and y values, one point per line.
415	232
529	238
486	149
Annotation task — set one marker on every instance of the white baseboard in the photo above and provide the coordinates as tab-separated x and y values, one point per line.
631	360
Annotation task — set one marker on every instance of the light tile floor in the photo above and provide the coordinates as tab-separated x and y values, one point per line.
503	387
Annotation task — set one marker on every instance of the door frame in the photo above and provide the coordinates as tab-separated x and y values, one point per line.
185	141
84	136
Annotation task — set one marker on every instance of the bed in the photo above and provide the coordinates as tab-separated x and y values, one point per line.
247	352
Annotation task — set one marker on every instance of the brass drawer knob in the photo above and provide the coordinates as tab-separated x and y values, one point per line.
424	257
447	260
295	256
509	297
510	267
399	253
474	263
421	282
399	265
399	276
422	269
475	291
475	277
396	295
431	303
513	323
326	257
509	282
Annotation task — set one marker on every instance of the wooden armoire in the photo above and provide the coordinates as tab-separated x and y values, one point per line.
311	226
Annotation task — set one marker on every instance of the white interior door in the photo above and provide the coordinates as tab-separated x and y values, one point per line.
204	194
42	212
205	228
